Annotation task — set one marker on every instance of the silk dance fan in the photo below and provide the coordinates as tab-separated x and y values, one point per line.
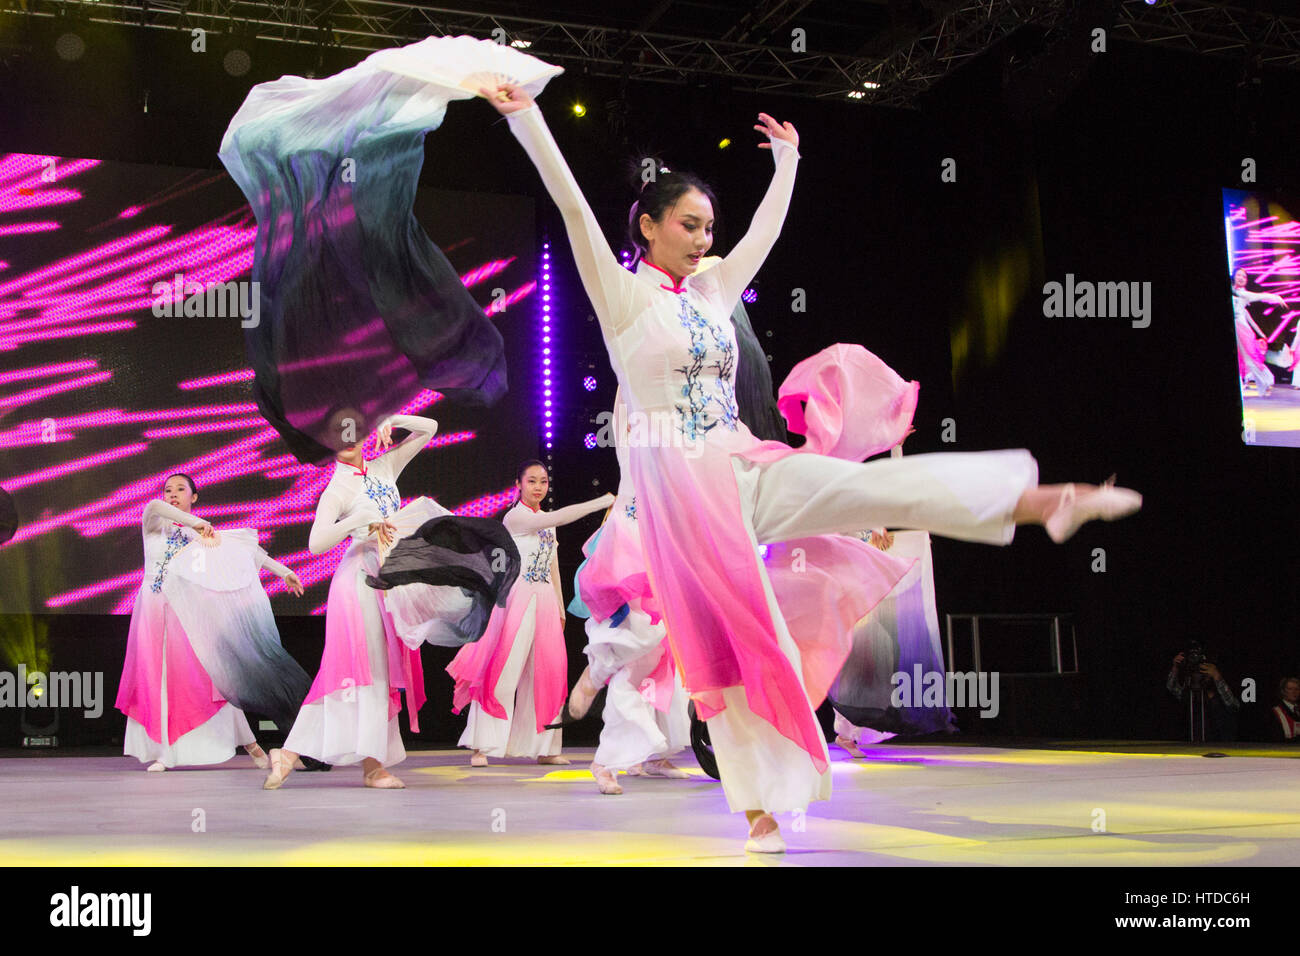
358	309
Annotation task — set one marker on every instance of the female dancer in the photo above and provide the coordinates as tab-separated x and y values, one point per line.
646	717
350	715
711	499
190	604
515	678
1252	343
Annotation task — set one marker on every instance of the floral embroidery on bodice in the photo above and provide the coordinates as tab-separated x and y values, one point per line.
539	565
630	509
382	493
175	541
707	396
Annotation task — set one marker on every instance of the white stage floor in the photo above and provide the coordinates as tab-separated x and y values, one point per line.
937	804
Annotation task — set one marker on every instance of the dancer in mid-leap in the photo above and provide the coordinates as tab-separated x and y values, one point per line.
515	678
715	492
203	641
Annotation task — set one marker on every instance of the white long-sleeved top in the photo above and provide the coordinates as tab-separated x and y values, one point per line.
165	532
1241	298
534	535
682	347
357	497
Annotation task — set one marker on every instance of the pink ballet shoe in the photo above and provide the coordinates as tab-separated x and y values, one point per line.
260	760
766	840
662	768
844	743
555	759
606	782
381	779
478	760
281	767
1107	503
580	700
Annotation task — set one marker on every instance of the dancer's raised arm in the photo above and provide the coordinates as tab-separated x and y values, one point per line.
608	284
739	267
421	431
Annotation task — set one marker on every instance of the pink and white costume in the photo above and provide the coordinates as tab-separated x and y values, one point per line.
646	713
351	710
1250	354
175	715
757	645
515	678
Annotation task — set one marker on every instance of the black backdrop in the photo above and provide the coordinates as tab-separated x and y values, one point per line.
1121	177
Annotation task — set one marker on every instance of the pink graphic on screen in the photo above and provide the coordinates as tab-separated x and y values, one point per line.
78	321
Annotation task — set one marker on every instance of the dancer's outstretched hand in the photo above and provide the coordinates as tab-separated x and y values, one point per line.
775	130
384	437
507	98
293	584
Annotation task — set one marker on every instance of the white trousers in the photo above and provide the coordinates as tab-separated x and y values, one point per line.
516	735
968	496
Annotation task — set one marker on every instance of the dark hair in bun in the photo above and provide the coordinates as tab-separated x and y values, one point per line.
659	191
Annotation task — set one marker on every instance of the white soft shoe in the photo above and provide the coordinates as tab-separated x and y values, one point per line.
1107	503
769	842
156	767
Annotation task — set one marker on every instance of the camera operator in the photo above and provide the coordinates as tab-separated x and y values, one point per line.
1211	705
1287	712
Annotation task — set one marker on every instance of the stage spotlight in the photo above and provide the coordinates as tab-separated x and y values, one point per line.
579	109
588	440
724	142
856	94
749	296
237	62
521	44
70	47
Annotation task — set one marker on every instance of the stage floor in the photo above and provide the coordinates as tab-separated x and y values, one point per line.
904	805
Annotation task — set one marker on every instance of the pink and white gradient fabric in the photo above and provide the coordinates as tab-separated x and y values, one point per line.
821	392
477	667
191	698
344	661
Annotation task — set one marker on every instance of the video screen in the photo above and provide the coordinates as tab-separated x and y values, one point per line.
1263	244
101	398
